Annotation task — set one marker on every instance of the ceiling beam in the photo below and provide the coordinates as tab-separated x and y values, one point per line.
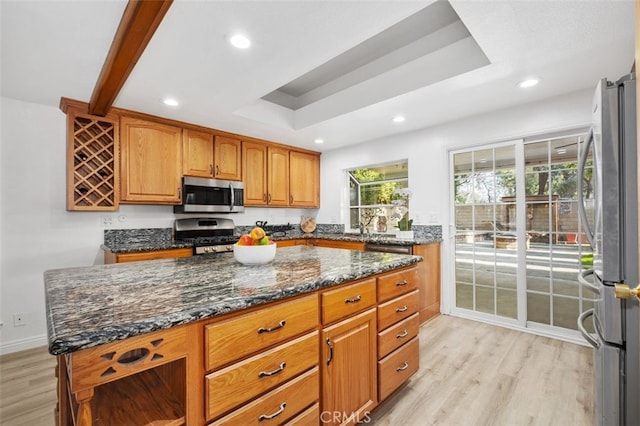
139	22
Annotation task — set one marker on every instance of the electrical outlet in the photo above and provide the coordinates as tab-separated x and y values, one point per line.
106	221
19	320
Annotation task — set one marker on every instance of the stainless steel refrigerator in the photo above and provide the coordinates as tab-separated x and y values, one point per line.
610	220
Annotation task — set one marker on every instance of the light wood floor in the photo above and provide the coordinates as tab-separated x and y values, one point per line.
470	374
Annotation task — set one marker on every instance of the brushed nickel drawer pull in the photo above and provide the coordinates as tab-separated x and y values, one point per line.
354	300
402	283
404	366
330	351
269	330
274	372
403	309
402	335
276	414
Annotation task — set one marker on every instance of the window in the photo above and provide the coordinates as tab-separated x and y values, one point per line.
374	200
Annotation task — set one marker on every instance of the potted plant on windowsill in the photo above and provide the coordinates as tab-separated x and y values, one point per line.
401	203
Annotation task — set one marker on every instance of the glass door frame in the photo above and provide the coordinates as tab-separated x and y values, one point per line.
521	302
520	323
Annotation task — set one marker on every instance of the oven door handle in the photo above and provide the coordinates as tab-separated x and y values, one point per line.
587	336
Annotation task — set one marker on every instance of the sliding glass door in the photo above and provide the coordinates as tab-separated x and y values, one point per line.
518	239
485	237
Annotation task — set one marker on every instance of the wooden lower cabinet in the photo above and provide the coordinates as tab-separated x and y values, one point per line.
396	368
287	402
267	370
110	257
328	357
349	370
429	272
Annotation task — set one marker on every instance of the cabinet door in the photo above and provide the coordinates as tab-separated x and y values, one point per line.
150	163
349	369
278	177
254	173
305	179
429	280
197	153
227	152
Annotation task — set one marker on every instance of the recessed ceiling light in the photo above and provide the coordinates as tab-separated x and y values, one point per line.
240	41
318	141
398	119
171	102
528	83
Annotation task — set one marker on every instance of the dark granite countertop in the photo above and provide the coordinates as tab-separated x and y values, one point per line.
137	245
93	305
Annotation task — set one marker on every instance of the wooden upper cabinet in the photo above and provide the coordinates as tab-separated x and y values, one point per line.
150	162
278	176
197	153
227	157
305	179
254	173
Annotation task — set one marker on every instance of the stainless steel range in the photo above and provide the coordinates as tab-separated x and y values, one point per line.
208	235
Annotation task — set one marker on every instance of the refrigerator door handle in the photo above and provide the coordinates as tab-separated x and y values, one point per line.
587	336
582	279
581	207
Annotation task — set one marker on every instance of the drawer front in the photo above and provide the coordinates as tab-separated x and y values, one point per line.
397	283
229	340
397	335
396	368
309	417
345	301
228	388
105	363
397	309
279	405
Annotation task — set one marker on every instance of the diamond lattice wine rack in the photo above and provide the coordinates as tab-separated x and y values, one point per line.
92	154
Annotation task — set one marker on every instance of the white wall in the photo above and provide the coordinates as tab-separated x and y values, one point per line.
428	153
37	233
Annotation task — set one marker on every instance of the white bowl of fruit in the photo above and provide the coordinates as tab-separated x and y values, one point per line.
255	248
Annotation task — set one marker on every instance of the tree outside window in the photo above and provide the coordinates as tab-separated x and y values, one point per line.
371	196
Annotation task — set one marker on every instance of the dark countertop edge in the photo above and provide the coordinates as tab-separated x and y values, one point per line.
112	334
379	239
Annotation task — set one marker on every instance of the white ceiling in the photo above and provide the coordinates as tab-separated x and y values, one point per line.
53	49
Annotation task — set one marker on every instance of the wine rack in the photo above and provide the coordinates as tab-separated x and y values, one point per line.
92	162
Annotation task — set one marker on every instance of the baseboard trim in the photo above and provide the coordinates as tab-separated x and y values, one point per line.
23	344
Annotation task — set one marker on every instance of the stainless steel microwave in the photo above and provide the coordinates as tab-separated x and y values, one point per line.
202	195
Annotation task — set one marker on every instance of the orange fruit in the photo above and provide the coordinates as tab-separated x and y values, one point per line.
257	233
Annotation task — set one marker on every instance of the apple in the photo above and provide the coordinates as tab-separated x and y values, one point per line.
263	241
245	240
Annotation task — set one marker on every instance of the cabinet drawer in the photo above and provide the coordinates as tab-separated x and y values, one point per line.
240	382
397	283
397	335
309	417
229	340
105	363
396	368
279	405
397	309
345	301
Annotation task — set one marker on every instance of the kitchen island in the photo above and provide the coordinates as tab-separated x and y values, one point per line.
196	326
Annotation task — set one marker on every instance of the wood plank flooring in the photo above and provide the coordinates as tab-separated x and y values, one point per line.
470	374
